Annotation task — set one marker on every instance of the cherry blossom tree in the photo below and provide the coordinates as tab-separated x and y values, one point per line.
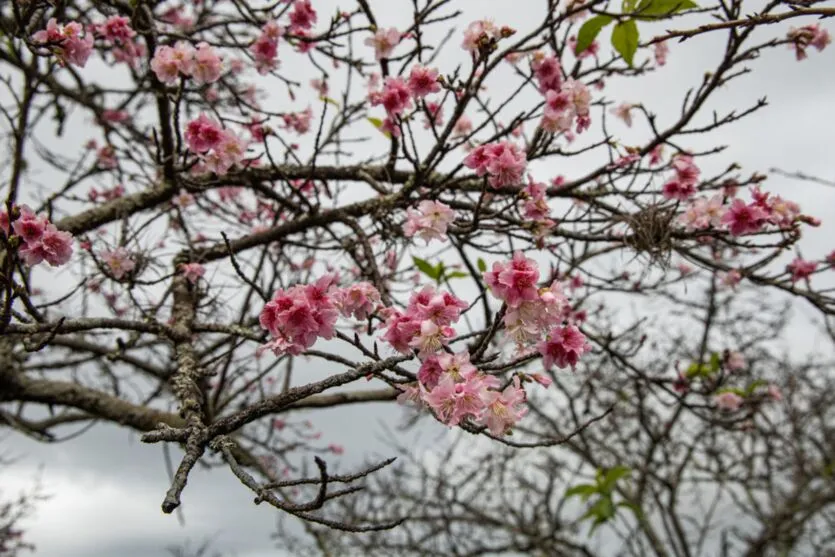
206	200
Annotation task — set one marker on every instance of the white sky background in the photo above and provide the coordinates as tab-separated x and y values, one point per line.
107	487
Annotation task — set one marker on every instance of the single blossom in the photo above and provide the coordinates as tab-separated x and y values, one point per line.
429	222
801	269
728	401
423	81
384	41
563	347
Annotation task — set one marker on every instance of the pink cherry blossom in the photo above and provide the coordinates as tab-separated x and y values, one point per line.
303	16
563	347
477	31
744	219
423	81
505	409
728	401
203	134
801	269
624	112
395	96
67	41
192	271
207	64
660	52
429	222
431	338
384	41
358	300
515	281
547	71
299	121
119	262
298	316
504	163
735	361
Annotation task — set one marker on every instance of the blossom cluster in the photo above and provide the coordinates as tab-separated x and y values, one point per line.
565	102
40	239
219	148
69	42
503	162
203	64
117	33
683	185
397	94
533	312
743	218
265	48
536	209
455	390
425	326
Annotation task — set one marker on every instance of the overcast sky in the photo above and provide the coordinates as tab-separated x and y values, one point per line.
106	487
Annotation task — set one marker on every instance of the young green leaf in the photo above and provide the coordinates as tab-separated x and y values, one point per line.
657	9
426	268
611	477
625	40
589	31
377	123
583	490
482	266
456	274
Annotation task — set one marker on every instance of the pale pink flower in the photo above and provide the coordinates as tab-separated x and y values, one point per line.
624	112
429	222
730	279
358	300
728	401
119	262
735	361
477	31
660	51
384	41
68	44
505	409
192	271
207	64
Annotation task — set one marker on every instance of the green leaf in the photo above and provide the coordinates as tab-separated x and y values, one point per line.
657	9
377	123
583	490
754	386
625	40
333	102
456	274
734	390
589	31
715	362
602	510
612	476
482	266
427	269
633	507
